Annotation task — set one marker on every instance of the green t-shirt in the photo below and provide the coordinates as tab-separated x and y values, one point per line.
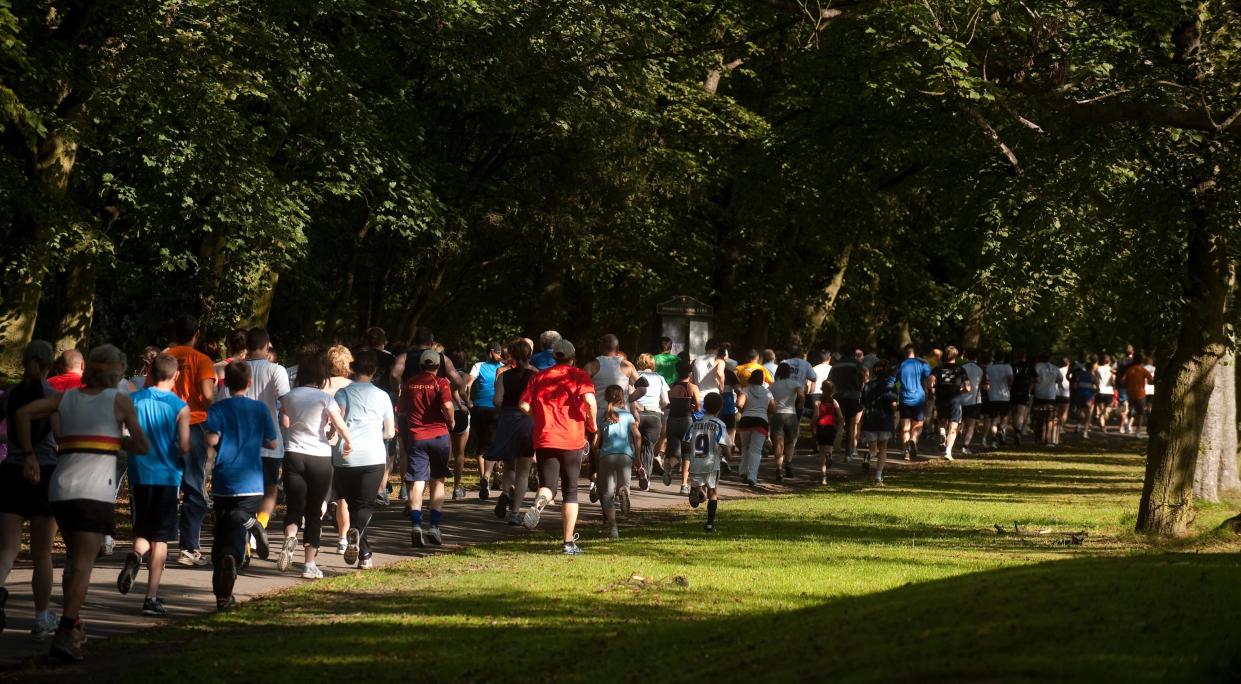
666	365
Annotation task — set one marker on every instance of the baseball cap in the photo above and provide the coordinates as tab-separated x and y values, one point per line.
40	351
495	347
563	349
429	358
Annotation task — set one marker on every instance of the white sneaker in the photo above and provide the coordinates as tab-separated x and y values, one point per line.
109	545
311	571
948	455
342	544
44	627
366	564
191	558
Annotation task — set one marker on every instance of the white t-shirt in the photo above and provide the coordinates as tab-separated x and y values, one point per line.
974	372
1105	376
1063	388
1000	376
1150	385
785	393
1045	384
757	398
821	372
704	375
656	391
365	408
268	382
308	409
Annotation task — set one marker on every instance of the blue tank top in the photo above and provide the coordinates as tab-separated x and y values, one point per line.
615	436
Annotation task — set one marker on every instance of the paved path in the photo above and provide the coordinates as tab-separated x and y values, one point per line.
187	591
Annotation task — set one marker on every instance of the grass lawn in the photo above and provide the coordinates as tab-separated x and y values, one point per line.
846	583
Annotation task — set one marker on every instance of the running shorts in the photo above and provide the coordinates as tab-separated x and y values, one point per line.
155	511
85	515
18	496
785	425
428	459
915	413
271	471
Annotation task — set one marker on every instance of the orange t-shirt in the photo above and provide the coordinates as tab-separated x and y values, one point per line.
195	367
1135	381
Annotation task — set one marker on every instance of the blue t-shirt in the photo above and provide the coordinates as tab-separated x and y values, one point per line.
614	437
243	425
543	360
164	463
365	407
912	373
484	373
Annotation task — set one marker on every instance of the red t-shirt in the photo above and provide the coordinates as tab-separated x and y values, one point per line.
556	403
1135	381
65	381
827	413
422	401
194	367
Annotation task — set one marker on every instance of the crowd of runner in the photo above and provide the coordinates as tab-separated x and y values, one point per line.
197	430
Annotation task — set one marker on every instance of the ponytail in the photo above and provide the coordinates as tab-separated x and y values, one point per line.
615	397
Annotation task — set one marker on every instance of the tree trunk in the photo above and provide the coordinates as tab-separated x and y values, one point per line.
903	336
345	298
24	286
1217	453
972	336
79	301
264	295
1186	383
817	312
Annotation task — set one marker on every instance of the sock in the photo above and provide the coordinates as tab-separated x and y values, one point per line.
415	517
435	517
67	623
711	506
263	518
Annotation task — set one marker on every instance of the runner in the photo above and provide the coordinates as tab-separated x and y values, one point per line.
1136	379
650	408
459	435
614	440
822	366
757	408
195	386
269	383
480	386
339	365
999	391
950	385
377	341
240	428
849	376
789	394
1084	388
914	375
706	438
683	402
752	365
546	358
666	361
769	362
81	489
235	343
514	439
72	364
154	479
879	410
803	373
20	498
1046	377
1024	376
1064	394
427	403
367	411
308	413
827	422
561	400
972	402
1105	381
709	370
1122	389
728	414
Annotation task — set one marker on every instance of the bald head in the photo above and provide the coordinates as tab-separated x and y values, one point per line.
72	360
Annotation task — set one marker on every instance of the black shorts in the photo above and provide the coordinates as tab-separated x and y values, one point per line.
1019	400
972	411
998	408
1062	401
271	471
482	429
18	496
825	435
155	511
729	420
562	464
849	408
428	459
753	423
461	421
1104	400
85	515
1137	405
915	413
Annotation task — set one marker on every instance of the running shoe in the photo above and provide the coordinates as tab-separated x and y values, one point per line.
710	528
614	533
625	504
644	482
403	495
191	559
109	545
258	535
779	476
341	544
225	604
965	451
1017	439
725	467
667	477
571	548
751	484
417	537
788	470
684	491
44	626
501	509
594	492
228	574
878	482
286	554
695	497
824	482
366	563
531	518
331	511
484	491
311	571
381	499
514	518
532	482
458	493
352	537
129	572
435	536
948	455
154	607
913	448
67	644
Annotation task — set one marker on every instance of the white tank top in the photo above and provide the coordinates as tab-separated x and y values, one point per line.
609	373
703	377
89	442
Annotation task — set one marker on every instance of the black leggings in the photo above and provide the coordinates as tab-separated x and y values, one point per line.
307	480
565	464
231	515
357	486
651	425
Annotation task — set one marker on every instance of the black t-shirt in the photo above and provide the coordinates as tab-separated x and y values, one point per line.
680	400
383	371
40	430
514	381
877	399
847	377
950	381
1023	379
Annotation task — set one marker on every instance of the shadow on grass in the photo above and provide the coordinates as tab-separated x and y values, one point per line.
1145	618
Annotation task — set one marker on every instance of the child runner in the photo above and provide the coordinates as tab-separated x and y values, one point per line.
683	402
427	403
367	411
879	401
20	498
827	423
757	407
615	439
239	428
705	438
82	488
155	478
